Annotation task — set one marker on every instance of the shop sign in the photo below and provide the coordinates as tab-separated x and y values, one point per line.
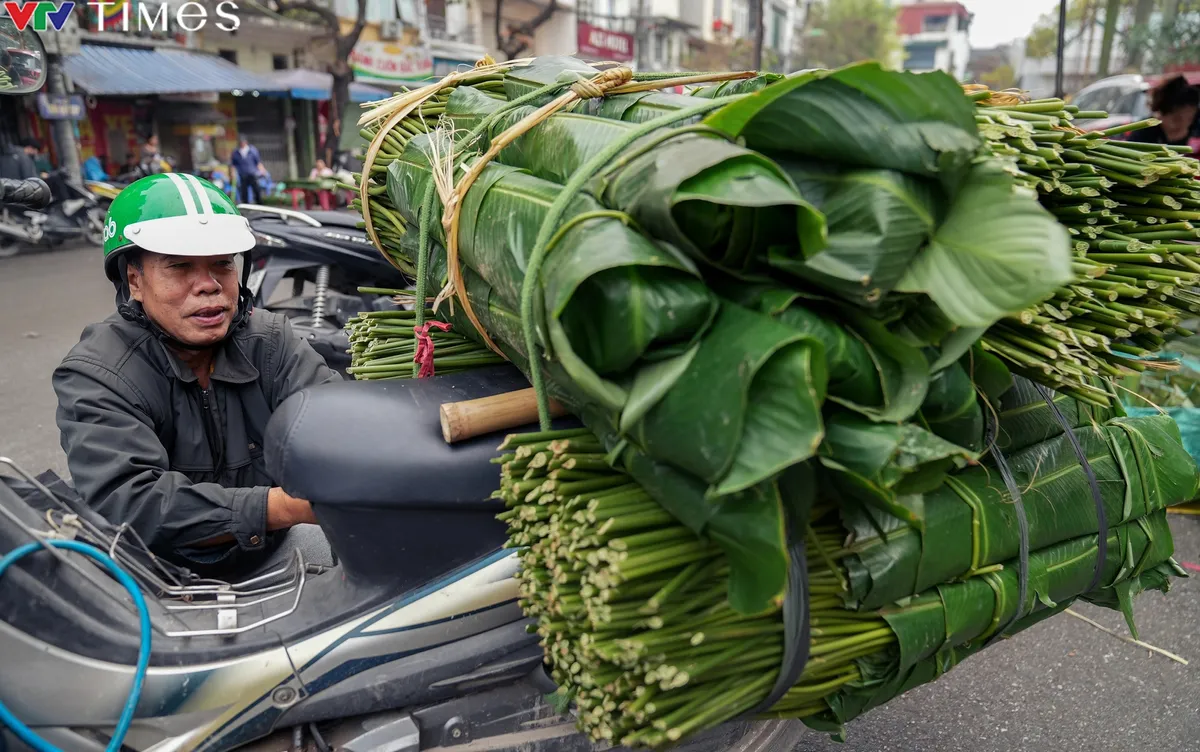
61	106
384	61
596	43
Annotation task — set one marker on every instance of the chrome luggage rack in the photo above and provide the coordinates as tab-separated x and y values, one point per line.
176	590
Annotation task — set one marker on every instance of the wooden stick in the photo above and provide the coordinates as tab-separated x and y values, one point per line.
1123	638
477	417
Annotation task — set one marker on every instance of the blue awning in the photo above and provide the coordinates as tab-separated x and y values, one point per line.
303	83
126	71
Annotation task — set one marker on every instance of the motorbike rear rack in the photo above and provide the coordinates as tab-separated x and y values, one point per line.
161	581
285	213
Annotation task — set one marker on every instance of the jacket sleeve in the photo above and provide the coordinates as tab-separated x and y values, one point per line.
122	470
295	366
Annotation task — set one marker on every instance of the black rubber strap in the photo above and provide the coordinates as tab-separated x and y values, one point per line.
796	635
1101	512
1022	526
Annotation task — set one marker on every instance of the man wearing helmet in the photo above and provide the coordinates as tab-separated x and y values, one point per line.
163	405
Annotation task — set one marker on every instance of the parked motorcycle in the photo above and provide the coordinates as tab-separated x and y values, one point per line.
412	641
74	213
103	191
309	266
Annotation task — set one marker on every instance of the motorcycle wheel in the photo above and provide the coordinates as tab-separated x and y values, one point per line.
95	228
9	248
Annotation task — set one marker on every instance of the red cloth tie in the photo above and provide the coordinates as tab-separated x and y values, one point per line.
424	353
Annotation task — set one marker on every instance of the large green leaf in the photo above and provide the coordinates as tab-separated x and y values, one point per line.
739	86
871	370
997	252
975	508
951	409
746	407
877	220
887	453
611	296
839	116
717	201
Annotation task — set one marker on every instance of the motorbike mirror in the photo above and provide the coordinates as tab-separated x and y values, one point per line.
22	59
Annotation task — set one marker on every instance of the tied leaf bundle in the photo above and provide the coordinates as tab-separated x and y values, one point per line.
384	345
632	610
710	281
1130	209
790	342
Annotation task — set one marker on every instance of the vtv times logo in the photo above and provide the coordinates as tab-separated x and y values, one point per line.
111	15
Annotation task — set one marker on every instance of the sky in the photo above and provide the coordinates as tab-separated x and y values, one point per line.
1000	21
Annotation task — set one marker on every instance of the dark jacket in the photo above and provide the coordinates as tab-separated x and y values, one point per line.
148	447
246	166
17	165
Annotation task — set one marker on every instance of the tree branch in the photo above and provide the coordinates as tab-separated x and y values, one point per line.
499	15
328	17
360	22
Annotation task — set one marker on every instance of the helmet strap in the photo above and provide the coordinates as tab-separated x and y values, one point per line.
131	310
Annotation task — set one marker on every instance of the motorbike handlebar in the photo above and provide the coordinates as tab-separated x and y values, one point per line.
31	194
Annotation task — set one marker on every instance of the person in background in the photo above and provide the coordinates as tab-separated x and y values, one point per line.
40	162
150	152
16	164
320	170
93	169
247	166
1176	103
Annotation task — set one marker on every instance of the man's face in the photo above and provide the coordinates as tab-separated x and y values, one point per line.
31	151
191	298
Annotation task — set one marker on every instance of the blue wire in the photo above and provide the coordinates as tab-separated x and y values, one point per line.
23	732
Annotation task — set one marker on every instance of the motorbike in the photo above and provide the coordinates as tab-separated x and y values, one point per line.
103	191
308	265
74	213
412	640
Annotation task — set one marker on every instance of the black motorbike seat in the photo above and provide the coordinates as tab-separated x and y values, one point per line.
336	218
379	444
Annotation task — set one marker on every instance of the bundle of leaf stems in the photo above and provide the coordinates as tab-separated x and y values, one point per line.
384	343
389	225
1130	209
631	606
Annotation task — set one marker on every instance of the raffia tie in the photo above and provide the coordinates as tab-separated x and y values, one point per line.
394	109
452	199
616	80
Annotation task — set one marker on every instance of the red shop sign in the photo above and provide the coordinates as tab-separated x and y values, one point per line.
601	44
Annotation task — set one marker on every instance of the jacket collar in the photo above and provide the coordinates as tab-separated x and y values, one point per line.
230	365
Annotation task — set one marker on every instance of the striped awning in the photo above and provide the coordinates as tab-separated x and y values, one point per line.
126	71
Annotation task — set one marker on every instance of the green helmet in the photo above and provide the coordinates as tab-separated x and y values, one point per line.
174	214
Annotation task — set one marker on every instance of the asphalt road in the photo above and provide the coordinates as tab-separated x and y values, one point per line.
1061	685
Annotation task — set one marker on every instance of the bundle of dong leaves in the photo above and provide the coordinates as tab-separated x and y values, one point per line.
789	312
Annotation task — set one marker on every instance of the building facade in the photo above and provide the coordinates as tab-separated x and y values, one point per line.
1081	61
935	37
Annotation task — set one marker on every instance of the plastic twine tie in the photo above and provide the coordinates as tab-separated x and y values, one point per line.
796	628
1014	493
424	354
1101	512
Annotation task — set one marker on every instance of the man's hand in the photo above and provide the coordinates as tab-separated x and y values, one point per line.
284	511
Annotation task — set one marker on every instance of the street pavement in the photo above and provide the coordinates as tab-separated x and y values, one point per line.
1061	685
